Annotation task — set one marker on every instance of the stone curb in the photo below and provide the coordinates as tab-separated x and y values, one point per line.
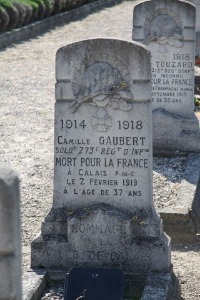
33	284
163	286
40	27
156	286
181	222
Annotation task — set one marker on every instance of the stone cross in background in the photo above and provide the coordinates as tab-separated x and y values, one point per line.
168	29
10	240
103	212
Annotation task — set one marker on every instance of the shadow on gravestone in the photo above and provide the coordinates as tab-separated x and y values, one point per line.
103	212
168	29
94	283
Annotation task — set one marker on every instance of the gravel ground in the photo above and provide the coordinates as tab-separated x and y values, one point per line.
26	128
167	176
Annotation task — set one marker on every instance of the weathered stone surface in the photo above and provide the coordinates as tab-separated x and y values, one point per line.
172	132
163	286
10	241
34	284
168	29
181	219
103	212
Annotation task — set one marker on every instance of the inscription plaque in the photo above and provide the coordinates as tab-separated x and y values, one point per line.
91	163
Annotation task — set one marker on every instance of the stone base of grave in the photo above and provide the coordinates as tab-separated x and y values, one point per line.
161	286
182	221
101	235
153	286
172	132
34	284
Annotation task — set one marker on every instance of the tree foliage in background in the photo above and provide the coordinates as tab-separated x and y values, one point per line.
17	13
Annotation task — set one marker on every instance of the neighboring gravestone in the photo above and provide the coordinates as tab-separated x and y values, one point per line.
10	241
168	29
103	212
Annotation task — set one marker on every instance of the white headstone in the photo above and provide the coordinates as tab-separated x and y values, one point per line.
168	29
103	212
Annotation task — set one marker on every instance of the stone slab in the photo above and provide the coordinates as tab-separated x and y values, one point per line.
33	284
182	222
174	133
136	285
103	244
163	286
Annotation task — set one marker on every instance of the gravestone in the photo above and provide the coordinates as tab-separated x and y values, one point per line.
168	29
10	240
103	212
